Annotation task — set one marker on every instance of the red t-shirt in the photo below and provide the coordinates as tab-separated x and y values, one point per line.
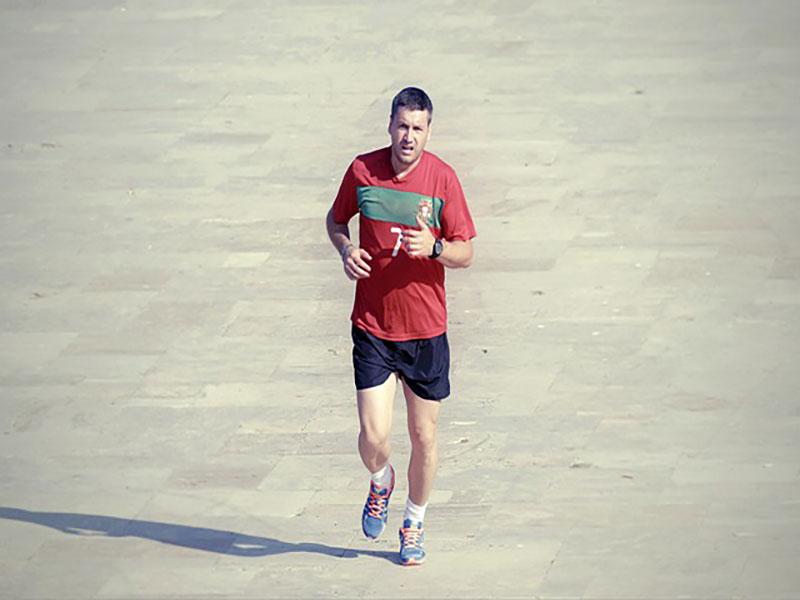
404	297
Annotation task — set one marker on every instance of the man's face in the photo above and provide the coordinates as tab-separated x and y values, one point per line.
409	130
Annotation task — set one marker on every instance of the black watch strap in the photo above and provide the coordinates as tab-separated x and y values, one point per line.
438	246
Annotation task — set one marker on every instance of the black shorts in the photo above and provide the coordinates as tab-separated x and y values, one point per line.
423	364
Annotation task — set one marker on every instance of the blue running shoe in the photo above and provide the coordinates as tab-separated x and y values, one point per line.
376	509
412	542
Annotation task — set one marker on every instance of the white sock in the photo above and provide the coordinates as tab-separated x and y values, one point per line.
383	477
414	512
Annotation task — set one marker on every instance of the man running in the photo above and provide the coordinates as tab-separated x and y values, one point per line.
413	222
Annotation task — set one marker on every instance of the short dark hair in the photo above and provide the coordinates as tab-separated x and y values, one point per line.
412	98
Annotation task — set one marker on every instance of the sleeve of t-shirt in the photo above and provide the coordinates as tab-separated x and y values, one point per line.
346	203
456	221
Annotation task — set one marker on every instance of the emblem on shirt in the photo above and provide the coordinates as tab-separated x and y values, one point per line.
425	211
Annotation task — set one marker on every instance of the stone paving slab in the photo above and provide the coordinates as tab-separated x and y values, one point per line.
177	415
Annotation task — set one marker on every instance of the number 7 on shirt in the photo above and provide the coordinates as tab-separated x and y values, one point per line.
399	243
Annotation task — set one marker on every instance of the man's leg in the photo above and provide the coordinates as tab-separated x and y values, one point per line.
375	418
423	418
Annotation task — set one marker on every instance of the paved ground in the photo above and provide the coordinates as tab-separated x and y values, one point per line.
177	414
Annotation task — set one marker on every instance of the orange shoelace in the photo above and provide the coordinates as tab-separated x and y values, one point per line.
412	537
376	504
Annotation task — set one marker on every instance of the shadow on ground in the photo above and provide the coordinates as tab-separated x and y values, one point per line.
198	538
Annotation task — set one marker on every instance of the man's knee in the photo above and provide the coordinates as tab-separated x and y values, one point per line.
374	437
423	437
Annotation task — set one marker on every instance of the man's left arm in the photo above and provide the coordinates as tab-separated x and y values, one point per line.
456	254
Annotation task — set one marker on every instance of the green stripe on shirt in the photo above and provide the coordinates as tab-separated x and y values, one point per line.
394	206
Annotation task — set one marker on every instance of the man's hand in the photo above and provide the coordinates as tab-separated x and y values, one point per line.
355	262
419	242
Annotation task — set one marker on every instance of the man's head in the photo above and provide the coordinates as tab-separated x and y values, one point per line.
409	126
413	99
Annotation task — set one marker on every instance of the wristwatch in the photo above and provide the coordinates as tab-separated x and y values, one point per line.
438	246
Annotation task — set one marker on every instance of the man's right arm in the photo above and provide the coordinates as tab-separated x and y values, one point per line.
354	259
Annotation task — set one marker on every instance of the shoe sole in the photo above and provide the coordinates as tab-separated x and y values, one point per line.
412	563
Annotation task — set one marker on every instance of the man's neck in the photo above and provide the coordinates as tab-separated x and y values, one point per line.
401	170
